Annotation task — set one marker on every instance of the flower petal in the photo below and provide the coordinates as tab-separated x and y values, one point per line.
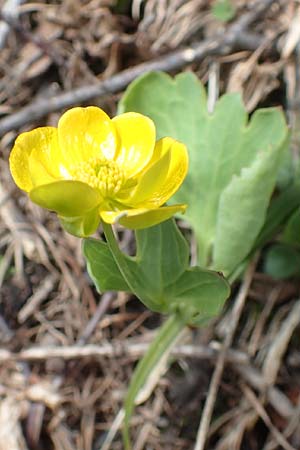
137	136
33	159
177	170
84	133
67	198
39	169
149	182
142	217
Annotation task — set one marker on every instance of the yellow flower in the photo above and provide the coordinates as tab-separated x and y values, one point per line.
92	167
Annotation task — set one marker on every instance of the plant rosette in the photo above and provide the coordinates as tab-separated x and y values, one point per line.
93	169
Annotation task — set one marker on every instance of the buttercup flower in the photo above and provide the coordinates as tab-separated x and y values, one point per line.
92	167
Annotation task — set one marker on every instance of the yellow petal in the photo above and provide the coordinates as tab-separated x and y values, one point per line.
85	133
33	159
67	198
165	187
141	218
137	136
39	169
149	182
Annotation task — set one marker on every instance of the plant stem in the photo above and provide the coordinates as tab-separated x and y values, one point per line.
119	257
163	342
157	349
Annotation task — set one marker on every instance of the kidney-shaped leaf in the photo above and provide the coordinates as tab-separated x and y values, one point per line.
220	145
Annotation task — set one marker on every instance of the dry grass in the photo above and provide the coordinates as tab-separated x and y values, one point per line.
66	357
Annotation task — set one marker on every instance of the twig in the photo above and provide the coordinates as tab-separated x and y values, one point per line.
5	332
104	304
9	13
217	375
291	427
275	397
114	428
11	435
68	277
37	298
6	261
219	44
239	360
260	410
18	225
143	436
39	42
213	85
279	346
115	349
261	321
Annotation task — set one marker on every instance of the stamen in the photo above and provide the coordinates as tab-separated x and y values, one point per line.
101	174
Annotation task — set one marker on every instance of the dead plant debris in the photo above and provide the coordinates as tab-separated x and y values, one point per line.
66	355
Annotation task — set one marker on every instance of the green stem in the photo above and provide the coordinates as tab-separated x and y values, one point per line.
129	270
161	344
119	257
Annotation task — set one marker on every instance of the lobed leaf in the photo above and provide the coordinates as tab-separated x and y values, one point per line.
220	145
102	267
242	211
159	275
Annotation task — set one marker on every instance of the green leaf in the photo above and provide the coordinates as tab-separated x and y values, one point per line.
162	256
291	233
282	261
220	145
160	277
287	171
102	267
281	207
223	10
242	211
203	291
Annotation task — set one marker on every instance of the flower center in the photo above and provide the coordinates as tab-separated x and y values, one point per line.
101	174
